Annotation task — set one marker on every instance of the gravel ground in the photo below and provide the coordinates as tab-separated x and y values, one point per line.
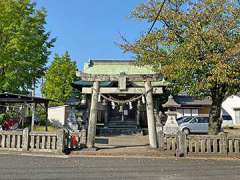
26	167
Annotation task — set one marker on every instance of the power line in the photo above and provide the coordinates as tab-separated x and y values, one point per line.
158	14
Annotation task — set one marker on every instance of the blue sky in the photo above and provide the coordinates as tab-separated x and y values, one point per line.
90	28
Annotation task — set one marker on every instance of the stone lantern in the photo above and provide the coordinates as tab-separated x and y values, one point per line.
171	126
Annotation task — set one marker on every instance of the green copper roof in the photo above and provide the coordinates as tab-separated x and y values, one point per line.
116	67
112	67
81	83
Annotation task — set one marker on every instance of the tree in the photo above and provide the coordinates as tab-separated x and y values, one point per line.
58	79
196	47
24	45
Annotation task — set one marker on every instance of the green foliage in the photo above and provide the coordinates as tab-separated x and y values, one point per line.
41	115
41	128
59	77
196	46
6	116
24	45
2	118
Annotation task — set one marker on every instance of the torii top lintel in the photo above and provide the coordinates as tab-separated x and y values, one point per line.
132	77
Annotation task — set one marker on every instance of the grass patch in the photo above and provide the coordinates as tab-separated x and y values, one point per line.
42	128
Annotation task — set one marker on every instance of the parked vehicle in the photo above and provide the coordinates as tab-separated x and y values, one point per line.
227	121
184	119
195	125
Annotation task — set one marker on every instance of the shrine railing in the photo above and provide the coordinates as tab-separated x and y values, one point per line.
46	141
187	145
30	141
11	140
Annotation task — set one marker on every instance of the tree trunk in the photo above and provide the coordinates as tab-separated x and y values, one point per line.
215	119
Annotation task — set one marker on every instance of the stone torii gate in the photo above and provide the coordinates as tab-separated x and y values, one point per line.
122	89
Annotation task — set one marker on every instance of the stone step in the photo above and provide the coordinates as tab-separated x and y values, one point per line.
118	131
132	126
122	124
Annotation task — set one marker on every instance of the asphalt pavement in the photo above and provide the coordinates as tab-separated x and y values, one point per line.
116	168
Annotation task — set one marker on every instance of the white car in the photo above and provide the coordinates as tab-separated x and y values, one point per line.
195	125
227	121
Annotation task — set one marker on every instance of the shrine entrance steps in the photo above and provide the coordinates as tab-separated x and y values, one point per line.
123	145
115	128
107	131
122	141
122	124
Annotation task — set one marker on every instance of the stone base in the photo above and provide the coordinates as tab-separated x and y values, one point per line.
171	130
90	149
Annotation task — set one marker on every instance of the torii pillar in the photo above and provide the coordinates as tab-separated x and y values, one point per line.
150	115
93	116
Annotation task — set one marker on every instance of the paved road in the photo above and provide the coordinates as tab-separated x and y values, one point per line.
26	167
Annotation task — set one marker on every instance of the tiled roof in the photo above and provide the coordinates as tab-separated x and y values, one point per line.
15	98
191	100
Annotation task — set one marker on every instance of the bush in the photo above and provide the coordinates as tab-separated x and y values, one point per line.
4	117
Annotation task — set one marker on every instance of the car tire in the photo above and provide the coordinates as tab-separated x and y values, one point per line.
186	131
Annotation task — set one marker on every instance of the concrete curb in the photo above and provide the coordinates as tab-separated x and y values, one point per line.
125	156
49	155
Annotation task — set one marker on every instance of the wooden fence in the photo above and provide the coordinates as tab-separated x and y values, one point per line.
26	141
183	145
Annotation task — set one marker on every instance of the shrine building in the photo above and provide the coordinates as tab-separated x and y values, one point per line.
120	96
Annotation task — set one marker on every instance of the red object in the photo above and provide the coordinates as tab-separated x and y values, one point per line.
74	140
10	124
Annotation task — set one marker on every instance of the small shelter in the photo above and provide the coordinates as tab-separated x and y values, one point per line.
11	100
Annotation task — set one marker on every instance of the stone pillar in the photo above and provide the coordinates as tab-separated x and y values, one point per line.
150	116
223	143
83	138
25	138
60	140
159	128
138	113
93	116
161	140
181	145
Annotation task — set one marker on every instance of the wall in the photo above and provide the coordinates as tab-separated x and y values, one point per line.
204	110
231	103
193	111
58	114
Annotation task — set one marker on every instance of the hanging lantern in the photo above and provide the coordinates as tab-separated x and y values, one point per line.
83	100
121	108
104	102
138	104
113	105
130	105
99	98
143	99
